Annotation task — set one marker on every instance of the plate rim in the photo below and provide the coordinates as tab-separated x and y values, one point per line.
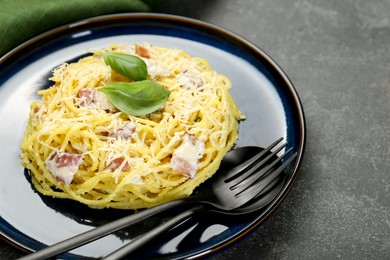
93	21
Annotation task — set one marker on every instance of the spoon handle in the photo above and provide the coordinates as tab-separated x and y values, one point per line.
148	236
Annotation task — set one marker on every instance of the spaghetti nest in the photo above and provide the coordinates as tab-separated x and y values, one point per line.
78	146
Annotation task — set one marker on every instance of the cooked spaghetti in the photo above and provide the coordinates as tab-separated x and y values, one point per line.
78	146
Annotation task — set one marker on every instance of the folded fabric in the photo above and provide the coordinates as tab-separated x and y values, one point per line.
21	20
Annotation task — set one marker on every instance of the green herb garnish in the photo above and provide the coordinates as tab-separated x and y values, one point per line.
127	65
136	98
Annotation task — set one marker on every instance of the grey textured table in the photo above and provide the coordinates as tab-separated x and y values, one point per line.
337	53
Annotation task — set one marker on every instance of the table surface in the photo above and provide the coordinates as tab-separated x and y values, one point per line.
337	54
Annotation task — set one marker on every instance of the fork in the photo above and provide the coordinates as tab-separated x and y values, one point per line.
266	179
224	192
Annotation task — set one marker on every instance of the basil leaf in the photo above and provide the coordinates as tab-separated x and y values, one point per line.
127	65
136	98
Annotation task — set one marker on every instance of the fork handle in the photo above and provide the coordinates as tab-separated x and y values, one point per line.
148	236
101	231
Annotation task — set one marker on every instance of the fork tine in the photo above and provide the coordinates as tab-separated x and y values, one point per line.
244	176
258	186
232	173
239	187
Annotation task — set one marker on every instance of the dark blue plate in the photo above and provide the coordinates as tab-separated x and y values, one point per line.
261	89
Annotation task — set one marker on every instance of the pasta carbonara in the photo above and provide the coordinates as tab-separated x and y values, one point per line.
78	146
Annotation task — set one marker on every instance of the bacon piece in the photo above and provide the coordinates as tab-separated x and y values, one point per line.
185	157
142	51
185	167
87	96
91	98
125	132
63	165
116	163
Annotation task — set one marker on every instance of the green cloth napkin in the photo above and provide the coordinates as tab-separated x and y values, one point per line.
20	20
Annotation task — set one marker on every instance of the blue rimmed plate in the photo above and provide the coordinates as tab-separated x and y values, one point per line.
261	89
